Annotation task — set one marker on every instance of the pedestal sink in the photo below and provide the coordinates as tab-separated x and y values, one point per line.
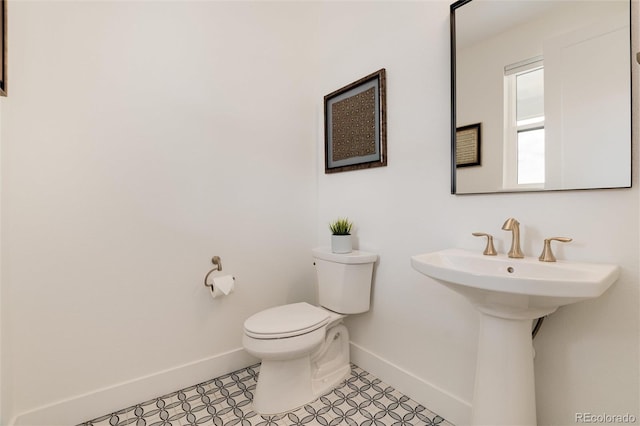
510	293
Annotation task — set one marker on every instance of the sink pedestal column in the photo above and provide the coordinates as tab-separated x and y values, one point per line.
504	392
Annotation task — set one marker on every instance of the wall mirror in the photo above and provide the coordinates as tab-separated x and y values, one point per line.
541	95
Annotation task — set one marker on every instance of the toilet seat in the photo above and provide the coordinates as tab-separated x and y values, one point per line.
286	321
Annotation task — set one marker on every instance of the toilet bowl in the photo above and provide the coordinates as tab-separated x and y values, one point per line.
298	363
304	348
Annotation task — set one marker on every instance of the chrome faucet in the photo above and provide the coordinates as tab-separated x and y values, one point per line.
514	226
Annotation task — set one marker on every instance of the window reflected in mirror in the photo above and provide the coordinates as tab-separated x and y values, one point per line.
524	125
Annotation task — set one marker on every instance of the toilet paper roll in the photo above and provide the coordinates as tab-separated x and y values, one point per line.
222	286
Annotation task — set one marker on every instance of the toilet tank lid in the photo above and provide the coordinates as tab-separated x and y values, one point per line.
355	256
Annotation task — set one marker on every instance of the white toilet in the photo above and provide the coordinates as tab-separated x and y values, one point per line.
305	349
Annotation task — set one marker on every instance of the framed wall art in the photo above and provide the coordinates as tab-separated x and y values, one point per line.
355	125
3	48
468	139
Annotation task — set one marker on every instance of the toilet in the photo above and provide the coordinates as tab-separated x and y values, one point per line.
304	348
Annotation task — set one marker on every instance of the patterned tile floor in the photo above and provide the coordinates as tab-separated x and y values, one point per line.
361	400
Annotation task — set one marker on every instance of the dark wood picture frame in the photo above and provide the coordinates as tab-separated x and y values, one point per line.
3	48
468	145
355	125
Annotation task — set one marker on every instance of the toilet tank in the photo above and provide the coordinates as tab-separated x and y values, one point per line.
344	280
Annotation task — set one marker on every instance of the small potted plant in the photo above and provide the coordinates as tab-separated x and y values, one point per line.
341	238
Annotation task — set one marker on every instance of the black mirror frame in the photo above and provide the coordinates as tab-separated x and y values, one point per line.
452	22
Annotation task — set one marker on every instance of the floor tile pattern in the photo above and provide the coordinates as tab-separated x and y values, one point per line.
361	400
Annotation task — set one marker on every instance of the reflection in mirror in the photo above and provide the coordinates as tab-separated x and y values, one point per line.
549	85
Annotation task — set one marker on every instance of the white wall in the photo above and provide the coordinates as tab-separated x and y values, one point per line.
140	139
587	354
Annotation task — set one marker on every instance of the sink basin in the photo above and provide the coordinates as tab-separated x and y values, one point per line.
510	293
515	288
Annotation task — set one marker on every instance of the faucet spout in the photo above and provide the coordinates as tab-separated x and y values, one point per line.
514	226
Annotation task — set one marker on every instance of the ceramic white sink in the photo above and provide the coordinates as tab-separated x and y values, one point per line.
519	287
510	293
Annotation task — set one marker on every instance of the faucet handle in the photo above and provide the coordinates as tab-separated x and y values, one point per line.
547	254
489	250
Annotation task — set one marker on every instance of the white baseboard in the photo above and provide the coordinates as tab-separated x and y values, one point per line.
109	399
451	407
93	404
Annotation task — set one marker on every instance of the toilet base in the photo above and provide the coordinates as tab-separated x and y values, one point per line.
289	384
280	387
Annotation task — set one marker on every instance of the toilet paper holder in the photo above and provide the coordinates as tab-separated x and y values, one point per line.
217	266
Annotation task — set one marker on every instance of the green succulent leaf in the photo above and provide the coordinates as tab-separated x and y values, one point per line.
341	226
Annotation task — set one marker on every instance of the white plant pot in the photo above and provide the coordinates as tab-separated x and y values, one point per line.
341	244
